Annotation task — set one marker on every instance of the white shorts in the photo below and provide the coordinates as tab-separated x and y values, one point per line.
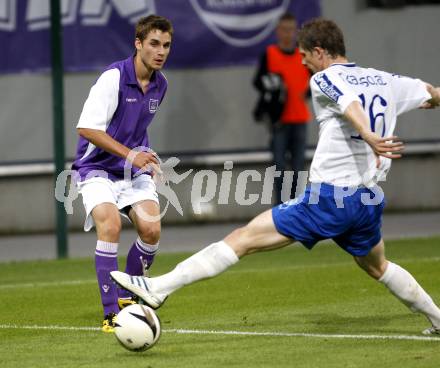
121	193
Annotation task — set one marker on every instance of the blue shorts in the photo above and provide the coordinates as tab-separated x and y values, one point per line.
328	212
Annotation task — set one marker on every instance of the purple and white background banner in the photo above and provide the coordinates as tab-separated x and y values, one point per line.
208	33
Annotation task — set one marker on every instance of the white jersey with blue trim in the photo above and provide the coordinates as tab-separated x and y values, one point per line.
342	158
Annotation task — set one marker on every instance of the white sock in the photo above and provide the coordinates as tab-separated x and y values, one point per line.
208	262
106	249
405	287
147	248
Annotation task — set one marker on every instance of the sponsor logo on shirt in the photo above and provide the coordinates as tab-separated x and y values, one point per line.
131	99
153	105
327	87
105	288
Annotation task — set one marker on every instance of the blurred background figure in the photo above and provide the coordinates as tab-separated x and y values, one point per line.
283	83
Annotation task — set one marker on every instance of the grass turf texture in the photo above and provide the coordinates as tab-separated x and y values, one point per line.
290	290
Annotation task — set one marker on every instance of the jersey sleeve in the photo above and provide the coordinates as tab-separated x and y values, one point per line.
102	102
330	86
409	93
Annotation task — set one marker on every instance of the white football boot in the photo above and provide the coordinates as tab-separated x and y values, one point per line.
139	286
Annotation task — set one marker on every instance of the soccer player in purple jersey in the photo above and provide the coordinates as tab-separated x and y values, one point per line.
357	109
114	120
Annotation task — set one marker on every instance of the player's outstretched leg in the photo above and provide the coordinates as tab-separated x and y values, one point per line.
402	285
209	262
259	234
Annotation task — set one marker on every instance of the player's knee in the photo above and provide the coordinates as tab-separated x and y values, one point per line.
379	270
109	229
150	234
239	240
375	271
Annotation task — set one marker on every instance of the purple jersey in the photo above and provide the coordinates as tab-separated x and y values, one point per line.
117	105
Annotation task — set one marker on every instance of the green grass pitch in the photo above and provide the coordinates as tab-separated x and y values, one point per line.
328	305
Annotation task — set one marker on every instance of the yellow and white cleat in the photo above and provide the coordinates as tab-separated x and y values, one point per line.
125	302
108	325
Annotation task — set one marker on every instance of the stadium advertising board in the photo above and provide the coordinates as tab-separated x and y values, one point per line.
208	33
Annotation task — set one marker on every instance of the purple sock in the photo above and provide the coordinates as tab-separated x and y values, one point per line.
139	258
106	261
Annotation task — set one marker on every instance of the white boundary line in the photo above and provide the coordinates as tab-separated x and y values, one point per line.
51	328
239	333
47	284
303	334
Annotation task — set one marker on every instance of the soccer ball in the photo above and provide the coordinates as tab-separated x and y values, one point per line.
137	327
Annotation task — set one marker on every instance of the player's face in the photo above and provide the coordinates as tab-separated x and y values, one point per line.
286	31
312	59
154	49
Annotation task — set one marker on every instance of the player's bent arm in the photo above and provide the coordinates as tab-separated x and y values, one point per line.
357	117
387	147
102	140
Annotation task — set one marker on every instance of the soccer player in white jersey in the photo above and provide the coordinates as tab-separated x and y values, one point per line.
356	108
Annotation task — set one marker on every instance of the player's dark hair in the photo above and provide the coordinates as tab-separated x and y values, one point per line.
288	17
324	33
147	24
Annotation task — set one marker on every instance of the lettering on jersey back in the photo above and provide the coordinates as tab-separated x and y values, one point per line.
327	87
369	80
